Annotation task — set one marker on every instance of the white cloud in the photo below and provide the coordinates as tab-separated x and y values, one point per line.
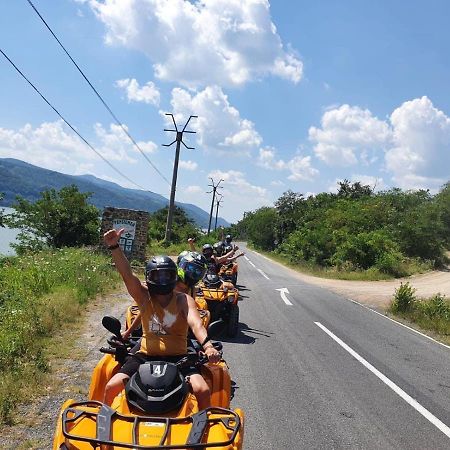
219	125
414	142
54	146
188	165
374	182
277	183
147	94
299	166
349	135
420	156
193	190
225	42
234	182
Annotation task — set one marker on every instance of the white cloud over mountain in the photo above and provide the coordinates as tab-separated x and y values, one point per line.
195	44
54	146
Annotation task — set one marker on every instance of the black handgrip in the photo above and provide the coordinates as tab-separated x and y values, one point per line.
111	351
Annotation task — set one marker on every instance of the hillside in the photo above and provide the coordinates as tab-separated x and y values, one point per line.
20	178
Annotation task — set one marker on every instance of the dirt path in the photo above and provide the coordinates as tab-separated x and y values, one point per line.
378	294
36	424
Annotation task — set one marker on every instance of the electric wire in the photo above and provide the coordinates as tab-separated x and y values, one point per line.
98	95
68	124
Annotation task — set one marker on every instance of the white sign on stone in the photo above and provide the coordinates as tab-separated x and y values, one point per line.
127	238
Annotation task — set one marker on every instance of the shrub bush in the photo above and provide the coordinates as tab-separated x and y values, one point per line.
404	298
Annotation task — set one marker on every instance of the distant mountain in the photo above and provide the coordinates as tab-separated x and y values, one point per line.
20	178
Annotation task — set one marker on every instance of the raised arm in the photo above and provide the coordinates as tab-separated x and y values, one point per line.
191	243
132	282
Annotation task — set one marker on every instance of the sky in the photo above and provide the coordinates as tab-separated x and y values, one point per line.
289	94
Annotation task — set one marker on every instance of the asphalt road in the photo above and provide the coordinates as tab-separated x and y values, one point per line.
318	371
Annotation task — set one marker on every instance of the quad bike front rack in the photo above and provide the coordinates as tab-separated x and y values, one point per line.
100	423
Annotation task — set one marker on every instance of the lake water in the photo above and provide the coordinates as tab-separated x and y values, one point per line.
7	235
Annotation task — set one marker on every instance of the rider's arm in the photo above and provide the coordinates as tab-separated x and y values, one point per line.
135	324
191	243
132	282
225	258
233	258
196	325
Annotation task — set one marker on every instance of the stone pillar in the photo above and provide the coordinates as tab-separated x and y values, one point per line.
134	239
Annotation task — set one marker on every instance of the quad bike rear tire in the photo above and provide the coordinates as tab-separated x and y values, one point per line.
233	321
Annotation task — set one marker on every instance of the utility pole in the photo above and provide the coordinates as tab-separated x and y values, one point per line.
179	141
214	189
218	202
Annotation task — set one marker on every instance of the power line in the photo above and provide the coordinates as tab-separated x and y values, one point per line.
67	123
98	95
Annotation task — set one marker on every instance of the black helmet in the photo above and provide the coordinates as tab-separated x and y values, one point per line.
212	280
160	275
228	238
191	268
157	387
218	248
207	251
227	248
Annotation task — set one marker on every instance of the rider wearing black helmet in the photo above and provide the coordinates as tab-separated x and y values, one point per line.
228	239
166	316
214	261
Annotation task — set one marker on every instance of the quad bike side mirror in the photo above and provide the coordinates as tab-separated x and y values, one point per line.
113	325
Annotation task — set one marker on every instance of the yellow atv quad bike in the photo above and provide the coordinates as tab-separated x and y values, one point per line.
222	299
154	411
229	272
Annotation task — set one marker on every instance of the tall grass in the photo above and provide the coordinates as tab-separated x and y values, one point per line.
39	293
430	313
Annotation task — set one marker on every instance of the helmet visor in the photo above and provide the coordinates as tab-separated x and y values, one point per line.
162	276
194	271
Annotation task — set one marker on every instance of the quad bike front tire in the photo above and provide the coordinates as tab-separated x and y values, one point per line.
234	279
233	321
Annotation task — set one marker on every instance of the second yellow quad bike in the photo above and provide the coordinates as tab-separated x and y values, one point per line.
222	299
229	272
154	411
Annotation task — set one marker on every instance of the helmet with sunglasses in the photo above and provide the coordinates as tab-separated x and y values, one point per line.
207	251
191	268
218	248
160	275
228	239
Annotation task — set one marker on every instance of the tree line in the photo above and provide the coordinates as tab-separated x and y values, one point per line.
355	228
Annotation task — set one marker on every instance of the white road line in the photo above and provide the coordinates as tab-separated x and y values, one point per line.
251	263
399	323
263	274
245	257
400	392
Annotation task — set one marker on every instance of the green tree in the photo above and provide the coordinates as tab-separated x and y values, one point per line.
261	230
353	190
290	208
58	219
183	227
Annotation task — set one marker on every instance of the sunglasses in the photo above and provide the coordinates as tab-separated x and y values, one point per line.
162	276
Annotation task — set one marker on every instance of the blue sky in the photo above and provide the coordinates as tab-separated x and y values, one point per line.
290	94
